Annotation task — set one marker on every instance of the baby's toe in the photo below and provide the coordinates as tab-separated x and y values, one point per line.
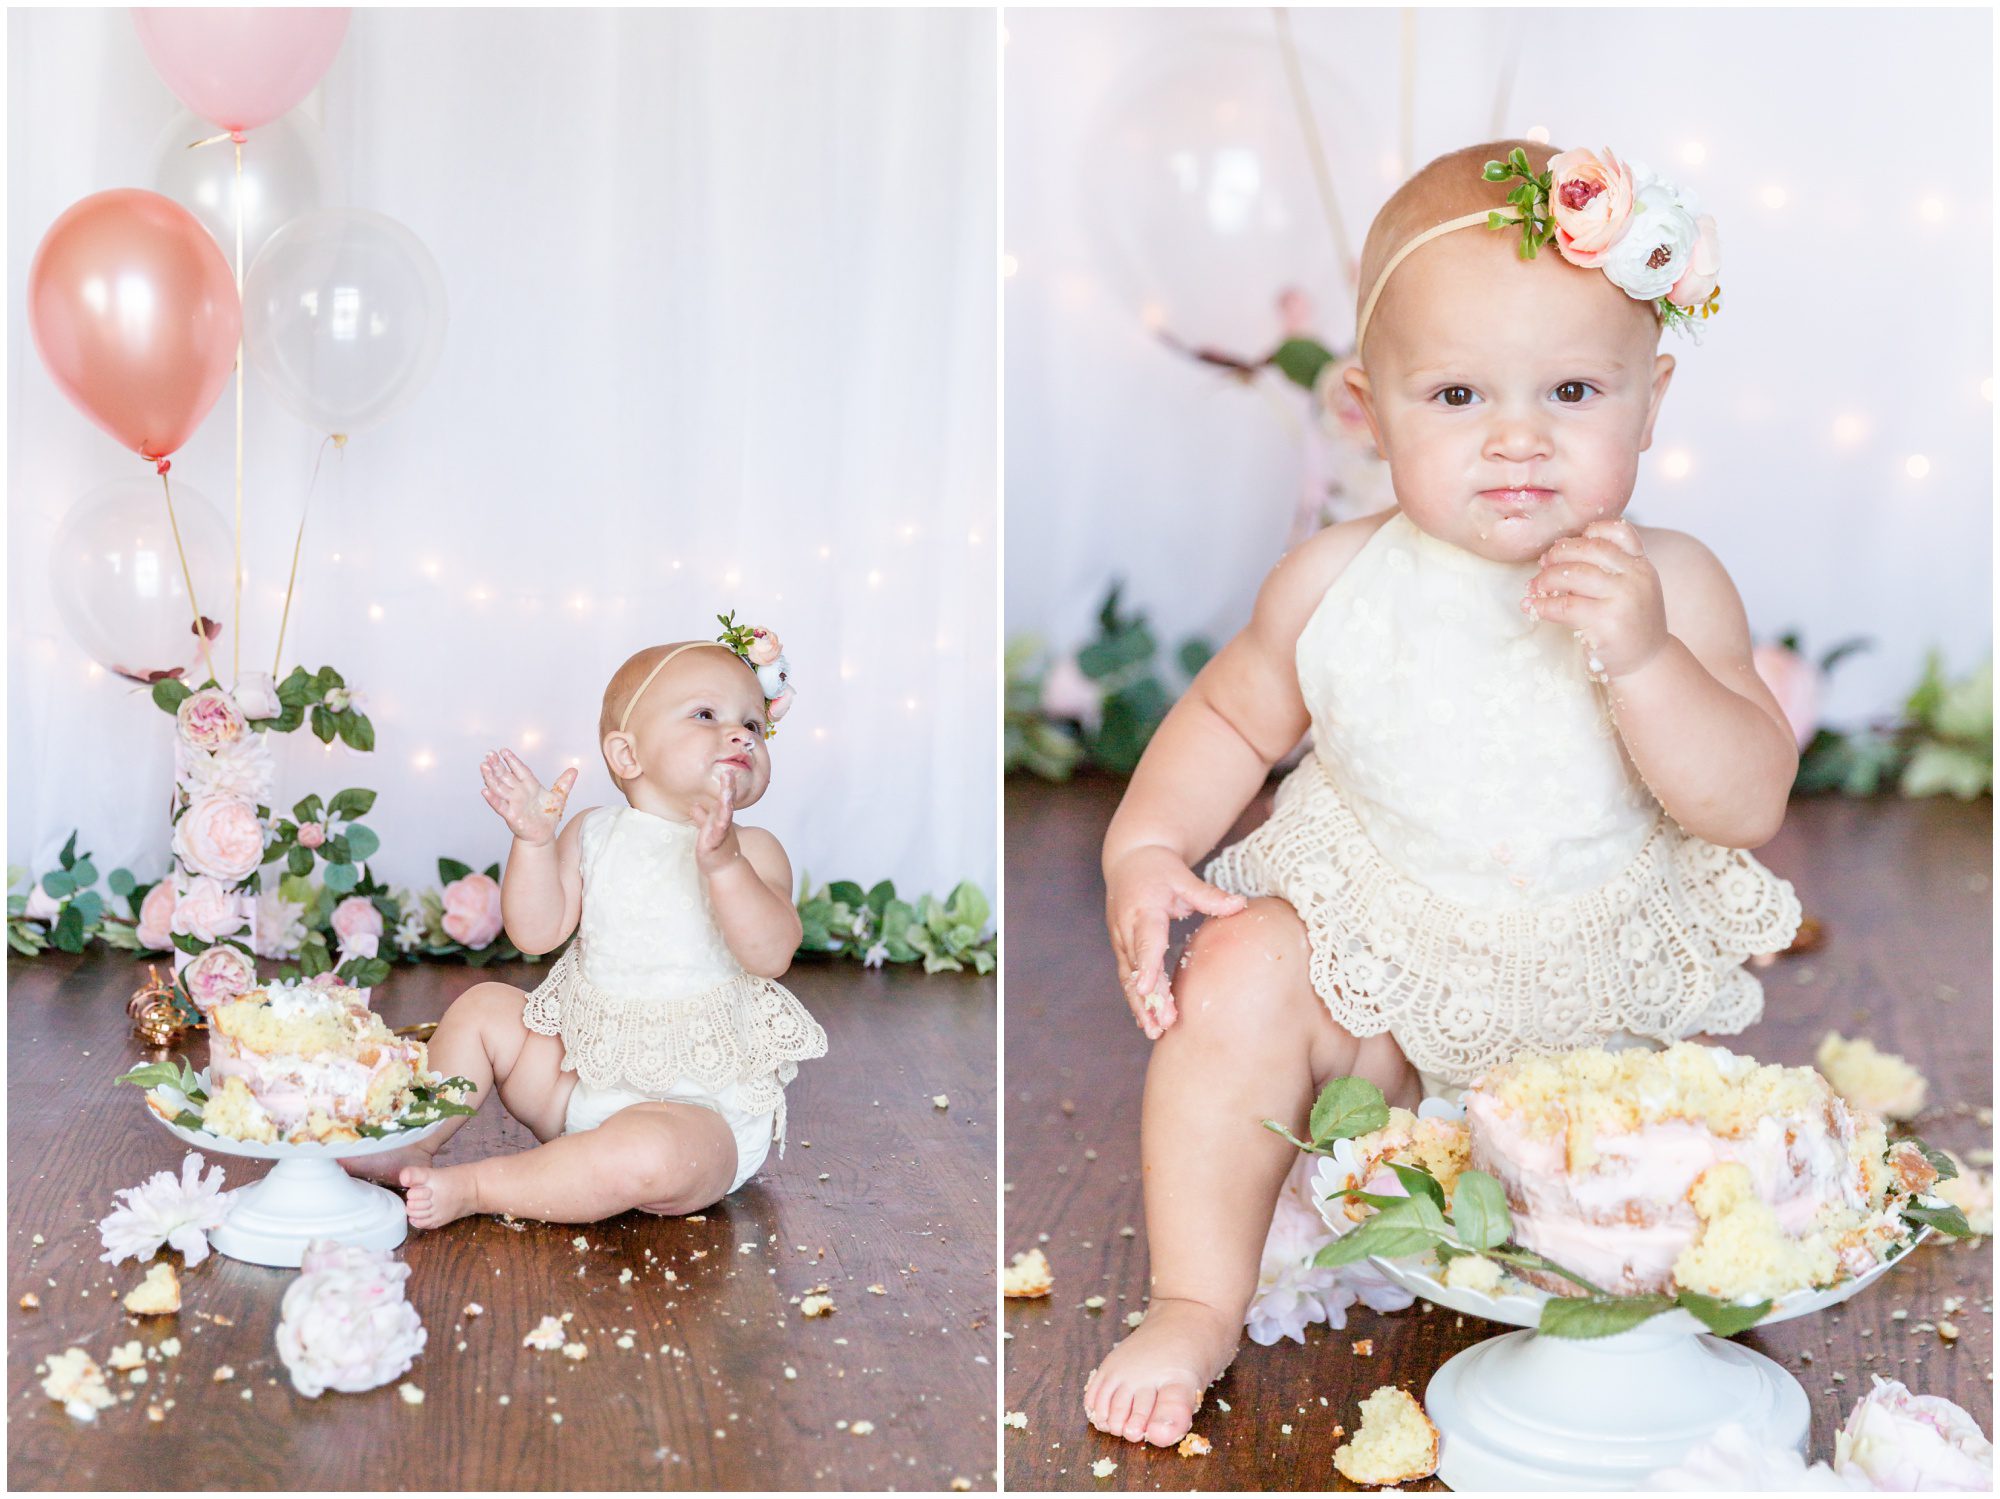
1114	1407
1134	1428
1173	1414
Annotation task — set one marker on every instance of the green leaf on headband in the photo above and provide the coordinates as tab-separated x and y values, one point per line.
1496	171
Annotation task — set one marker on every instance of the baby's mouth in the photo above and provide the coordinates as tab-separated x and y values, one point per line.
741	762
1515	504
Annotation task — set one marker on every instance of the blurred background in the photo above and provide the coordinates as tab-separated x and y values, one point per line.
1830	439
722	337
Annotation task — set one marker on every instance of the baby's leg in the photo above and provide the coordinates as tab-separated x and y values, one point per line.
1253	1042
663	1157
482	1040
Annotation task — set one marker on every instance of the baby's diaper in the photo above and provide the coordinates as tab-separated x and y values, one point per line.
590	1106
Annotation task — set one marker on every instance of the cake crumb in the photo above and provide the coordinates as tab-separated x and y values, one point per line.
861	1428
940	1101
30	1301
1396	1443
1016	1419
76	1383
878	1290
1029	1276
817	1305
125	1356
1195	1445
410	1393
1104	1467
575	1352
473	1309
158	1295
1093	1303
223	1374
1363	1347
548	1333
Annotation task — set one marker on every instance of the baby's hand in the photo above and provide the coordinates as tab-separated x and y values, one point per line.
533	812
1147	889
715	844
1601	585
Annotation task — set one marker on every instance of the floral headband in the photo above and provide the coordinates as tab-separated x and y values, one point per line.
1642	231
758	649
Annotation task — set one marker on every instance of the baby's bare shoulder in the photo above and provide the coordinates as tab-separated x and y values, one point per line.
1685	565
766	855
1303	575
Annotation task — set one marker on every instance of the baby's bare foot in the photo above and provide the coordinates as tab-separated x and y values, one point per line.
387	1168
436	1195
1148	1387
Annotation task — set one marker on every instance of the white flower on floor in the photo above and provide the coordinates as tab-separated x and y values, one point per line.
876	955
1904	1442
344	1323
165	1211
1732	1460
1292	1293
280	930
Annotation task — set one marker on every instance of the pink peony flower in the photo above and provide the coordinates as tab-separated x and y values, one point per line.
220	836
312	834
1068	693
345	1323
472	910
1904	1442
256	696
1795	683
208	909
764	648
1704	265
156	917
780	705
217	976
1733	1461
42	906
209	719
1295	313
1590	199
165	1212
355	917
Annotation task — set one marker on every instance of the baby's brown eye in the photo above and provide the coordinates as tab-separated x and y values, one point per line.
1579	386
1462	393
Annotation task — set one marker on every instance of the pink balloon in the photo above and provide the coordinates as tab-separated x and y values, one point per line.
241	67
135	312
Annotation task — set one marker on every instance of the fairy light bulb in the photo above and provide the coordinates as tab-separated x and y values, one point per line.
1931	210
375	613
1916	465
847	671
874	578
1539	134
1986	387
430	569
1774	196
1849	428
1693	153
972	538
1009	265
1676	464
530	738
422	759
1153	316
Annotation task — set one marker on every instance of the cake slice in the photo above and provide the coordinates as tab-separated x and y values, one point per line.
1396	1442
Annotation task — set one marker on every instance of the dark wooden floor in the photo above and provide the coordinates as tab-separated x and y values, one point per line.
1904	890
890	1191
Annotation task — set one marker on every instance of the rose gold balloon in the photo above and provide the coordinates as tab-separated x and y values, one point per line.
135	312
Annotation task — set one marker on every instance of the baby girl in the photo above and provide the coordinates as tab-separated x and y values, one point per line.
652	1061
1539	747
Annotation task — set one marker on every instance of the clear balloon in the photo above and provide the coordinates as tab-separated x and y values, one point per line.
117	581
1198	193
135	314
345	316
241	66
286	172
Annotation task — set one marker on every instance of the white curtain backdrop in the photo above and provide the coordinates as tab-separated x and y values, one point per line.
1846	154
722	336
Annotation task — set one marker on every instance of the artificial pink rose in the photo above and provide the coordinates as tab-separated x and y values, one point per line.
156	917
209	719
312	834
1794	682
1295	313
780	705
1340	414
764	648
256	695
1590	199
356	917
472	910
220	836
42	906
1704	265
218	976
208	909
1905	1442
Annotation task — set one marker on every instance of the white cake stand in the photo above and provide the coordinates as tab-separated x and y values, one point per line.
306	1195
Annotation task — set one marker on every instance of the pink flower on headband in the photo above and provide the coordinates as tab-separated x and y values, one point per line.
1697	282
1590	199
764	648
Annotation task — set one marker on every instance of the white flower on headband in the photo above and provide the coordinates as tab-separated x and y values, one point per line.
764	654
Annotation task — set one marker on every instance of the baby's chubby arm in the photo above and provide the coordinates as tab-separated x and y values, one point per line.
1700	725
750	887
541	890
1205	762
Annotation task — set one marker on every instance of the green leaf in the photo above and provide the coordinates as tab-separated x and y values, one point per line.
354	802
969	908
169	693
59	884
299	861
878	898
1937	768
356	730
1409	1225
341	878
1346	1107
1596	1316
1946	1220
1724	1318
1300	360
847	893
983	961
897	919
121	883
322	724
68	931
364	973
450	870
361	842
313	957
309	810
89	907
193	946
83	872
335	850
1194	654
492	872
1479	1211
296	690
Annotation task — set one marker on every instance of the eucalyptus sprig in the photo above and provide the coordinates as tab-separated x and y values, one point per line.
1531	199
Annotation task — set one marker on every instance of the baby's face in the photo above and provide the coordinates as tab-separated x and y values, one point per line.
702	718
1512	399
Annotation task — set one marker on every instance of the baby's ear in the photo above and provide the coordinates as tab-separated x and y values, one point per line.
620	755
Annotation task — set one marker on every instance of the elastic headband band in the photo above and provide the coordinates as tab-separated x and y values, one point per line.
626	717
1463	221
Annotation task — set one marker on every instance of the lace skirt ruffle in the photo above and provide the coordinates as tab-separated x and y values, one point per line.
1657	950
746	1030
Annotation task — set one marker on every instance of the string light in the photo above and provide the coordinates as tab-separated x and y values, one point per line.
1391	165
1693	153
909	532
1849	428
479	595
1009	264
874	578
93	671
422	759
375	612
847	671
1154	316
1916	465
910	703
335	556
530	738
972	538
1539	134
1676	464
819	734
1774	196
825	552
1932	210
733	576
430	569
1986	387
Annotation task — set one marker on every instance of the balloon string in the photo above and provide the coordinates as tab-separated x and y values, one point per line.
1315	148
1409	144
187	576
339	440
236	629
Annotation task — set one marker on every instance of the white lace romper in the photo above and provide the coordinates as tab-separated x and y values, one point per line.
650	1002
1476	861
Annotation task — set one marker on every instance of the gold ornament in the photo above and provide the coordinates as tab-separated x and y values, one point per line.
156	1016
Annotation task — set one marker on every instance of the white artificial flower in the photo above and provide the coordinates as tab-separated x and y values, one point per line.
256	696
164	1211
1651	254
338	699
280	929
241	770
1903	1442
410	930
875	956
1732	1460
1292	1293
345	1324
360	945
42	906
777	678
